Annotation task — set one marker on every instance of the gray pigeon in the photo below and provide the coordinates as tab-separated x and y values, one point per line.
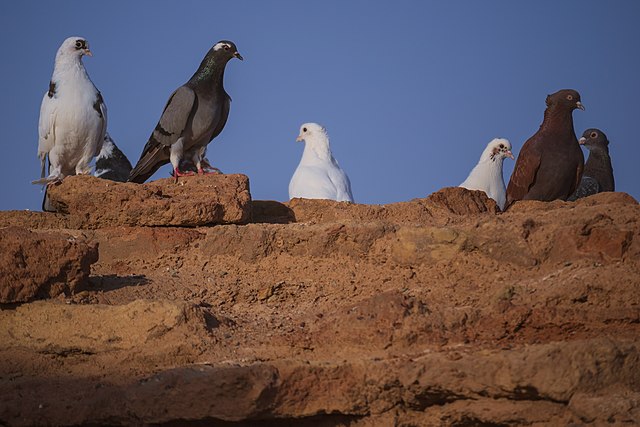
195	114
598	172
73	117
111	163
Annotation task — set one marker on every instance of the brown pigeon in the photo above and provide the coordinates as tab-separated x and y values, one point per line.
550	163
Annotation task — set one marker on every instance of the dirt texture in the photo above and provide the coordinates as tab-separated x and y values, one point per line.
200	200
42	264
439	311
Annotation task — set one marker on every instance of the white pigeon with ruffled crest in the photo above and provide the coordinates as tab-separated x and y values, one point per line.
487	174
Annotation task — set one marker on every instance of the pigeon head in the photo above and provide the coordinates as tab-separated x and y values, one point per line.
311	131
565	99
498	149
74	47
212	66
225	50
594	139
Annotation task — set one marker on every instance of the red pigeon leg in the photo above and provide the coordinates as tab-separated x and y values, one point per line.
177	173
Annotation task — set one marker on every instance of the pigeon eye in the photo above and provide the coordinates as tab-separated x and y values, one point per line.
501	145
304	129
593	134
79	44
570	97
227	47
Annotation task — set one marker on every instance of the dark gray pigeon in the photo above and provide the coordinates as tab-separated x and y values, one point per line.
195	114
550	163
598	172
111	163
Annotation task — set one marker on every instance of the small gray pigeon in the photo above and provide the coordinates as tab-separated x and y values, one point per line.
318	176
487	174
550	163
73	116
194	115
111	163
598	172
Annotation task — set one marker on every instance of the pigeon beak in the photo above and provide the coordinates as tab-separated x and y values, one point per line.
509	154
300	138
237	55
88	52
579	105
582	140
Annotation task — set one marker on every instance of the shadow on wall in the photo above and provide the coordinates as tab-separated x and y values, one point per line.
271	212
111	282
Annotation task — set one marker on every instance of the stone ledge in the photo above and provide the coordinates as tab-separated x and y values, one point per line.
37	265
194	201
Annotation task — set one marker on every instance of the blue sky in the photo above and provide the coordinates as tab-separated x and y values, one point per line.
409	91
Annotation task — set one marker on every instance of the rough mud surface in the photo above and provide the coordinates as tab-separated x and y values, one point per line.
42	264
437	311
201	200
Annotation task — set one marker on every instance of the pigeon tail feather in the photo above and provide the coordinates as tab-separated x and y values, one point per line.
148	164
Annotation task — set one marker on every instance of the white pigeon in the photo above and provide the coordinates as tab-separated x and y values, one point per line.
73	116
318	175
487	174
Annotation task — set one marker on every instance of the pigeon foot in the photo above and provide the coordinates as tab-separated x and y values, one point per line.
48	180
209	171
177	173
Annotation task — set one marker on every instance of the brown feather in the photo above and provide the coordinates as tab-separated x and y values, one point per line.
551	160
524	173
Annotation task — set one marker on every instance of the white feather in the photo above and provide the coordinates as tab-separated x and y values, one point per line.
319	176
107	147
70	129
487	174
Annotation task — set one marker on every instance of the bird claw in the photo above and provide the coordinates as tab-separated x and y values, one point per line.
209	171
47	180
177	173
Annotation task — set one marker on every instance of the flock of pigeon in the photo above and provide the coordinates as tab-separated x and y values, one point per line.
550	165
73	131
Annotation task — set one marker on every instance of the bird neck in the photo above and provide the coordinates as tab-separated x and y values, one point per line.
493	166
210	73
558	120
314	150
487	158
599	155
66	66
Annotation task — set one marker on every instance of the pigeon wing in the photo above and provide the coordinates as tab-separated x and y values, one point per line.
342	185
312	182
101	109
524	174
578	181
173	121
226	106
46	133
588	186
